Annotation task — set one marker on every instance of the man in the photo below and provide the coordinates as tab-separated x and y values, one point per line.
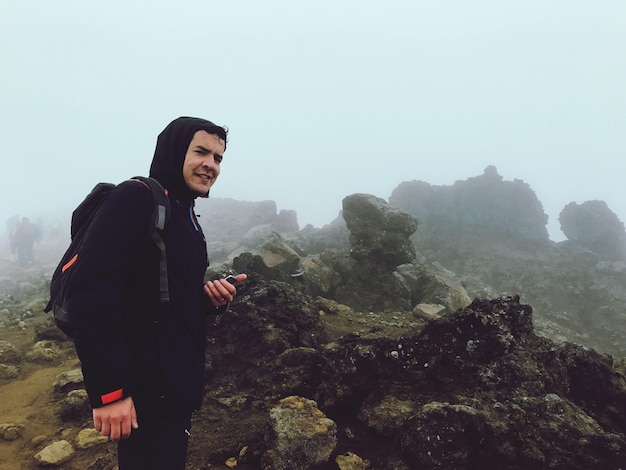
25	237
144	366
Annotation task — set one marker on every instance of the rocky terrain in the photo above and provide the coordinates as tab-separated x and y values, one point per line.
440	330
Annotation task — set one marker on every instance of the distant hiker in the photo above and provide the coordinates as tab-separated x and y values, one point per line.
12	225
143	364
25	236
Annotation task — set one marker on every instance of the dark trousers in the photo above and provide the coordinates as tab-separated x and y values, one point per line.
156	444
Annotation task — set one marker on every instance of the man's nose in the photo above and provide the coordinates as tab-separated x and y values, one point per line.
209	163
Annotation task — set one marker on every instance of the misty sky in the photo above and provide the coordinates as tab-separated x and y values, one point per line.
322	100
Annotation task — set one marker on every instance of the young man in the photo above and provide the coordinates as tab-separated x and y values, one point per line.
143	365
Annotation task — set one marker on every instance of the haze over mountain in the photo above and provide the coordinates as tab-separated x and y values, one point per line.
322	100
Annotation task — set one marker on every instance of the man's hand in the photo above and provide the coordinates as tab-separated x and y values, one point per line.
221	292
116	420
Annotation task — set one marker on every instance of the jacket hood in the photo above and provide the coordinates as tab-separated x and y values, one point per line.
171	148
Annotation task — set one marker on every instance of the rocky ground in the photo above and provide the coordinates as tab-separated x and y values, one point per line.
300	382
34	415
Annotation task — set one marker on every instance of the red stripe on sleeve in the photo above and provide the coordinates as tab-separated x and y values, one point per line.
112	396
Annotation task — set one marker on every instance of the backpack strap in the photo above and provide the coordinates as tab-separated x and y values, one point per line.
160	215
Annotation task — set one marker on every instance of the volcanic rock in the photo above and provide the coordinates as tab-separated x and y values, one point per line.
593	225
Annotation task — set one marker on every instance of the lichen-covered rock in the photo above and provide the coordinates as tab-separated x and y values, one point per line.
46	351
351	461
75	406
319	278
301	435
433	287
8	353
55	454
89	437
442	436
11	431
296	371
5	316
478	389
387	415
8	372
68	381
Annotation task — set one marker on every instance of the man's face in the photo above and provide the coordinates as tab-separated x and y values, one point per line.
202	162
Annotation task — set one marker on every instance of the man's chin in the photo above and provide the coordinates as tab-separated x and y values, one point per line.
201	191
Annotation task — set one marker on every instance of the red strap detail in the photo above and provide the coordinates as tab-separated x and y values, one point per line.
112	396
69	263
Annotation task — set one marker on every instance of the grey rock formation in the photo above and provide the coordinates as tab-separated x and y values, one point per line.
481	206
491	234
596	227
377	271
379	234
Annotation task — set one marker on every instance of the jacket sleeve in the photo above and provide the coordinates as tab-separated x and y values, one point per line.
97	290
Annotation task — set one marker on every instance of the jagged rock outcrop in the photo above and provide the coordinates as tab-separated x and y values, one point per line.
596	227
478	389
480	206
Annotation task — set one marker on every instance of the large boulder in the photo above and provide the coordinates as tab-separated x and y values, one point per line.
593	225
379	234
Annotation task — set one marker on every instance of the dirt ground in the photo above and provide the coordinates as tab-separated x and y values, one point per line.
29	399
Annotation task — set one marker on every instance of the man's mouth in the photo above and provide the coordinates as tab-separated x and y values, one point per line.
204	177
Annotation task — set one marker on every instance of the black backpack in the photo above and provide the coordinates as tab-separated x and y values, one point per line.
82	217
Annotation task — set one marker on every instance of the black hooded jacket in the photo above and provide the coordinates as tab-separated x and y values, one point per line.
127	343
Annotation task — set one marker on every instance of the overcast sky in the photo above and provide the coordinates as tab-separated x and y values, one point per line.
323	99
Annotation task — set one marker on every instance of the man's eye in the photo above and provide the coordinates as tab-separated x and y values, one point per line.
218	158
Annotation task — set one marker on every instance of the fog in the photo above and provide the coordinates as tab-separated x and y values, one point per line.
322	100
